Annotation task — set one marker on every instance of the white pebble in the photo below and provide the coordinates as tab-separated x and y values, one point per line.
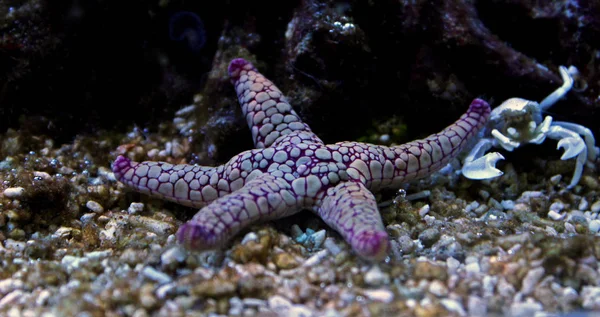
380	295
11	298
429	220
185	110
484	194
280	305
318	238
555	215
477	306
589	215
481	209
488	285
153	153
384	138
570	228
253	302
472	206
250	236
531	280
472	269
300	311
555	179
94	206
453	306
156	275
471	259
153	225
99	255
10	284
42	298
173	255
236	307
595	207
452	264
505	289
177	150
316	258
594	226
591	297
42	175
14	245
525	309
171	239
332	246
508	204
71	263
558	206
135	208
438	288
424	210
569	294
583	204
14	192
530	194
106	173
87	217
551	231
62	232
165	290
374	277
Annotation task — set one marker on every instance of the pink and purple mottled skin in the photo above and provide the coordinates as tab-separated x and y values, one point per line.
292	169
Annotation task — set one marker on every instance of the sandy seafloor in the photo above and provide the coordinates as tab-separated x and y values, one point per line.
74	242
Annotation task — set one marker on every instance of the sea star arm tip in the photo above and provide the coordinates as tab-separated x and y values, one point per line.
480	106
120	166
195	237
372	245
236	66
351	209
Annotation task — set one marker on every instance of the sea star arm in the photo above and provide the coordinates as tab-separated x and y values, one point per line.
264	198
188	185
267	111
380	166
351	209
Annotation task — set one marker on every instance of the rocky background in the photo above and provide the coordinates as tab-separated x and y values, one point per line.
83	81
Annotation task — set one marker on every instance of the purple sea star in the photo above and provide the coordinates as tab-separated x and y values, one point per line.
292	169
